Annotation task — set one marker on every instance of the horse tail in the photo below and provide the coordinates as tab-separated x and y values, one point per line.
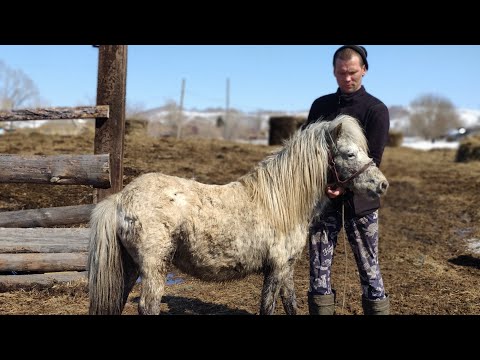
105	265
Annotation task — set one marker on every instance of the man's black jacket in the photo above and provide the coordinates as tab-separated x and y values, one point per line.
374	118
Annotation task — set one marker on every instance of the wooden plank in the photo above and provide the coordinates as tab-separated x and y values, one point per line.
45	246
11	282
43	262
110	133
56	169
56	113
46	217
41	234
44	240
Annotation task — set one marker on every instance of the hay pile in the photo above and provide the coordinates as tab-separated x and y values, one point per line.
395	138
282	127
136	126
469	149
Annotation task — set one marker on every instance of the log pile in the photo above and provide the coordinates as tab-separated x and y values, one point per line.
42	256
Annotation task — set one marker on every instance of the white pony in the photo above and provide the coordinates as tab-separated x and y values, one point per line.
257	224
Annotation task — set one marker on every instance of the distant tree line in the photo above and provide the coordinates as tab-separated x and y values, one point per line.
430	116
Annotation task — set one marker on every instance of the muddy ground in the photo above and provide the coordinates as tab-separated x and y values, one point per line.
429	227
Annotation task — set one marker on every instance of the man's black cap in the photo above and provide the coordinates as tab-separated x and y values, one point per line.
357	48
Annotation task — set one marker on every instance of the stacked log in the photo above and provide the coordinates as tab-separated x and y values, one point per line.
42	256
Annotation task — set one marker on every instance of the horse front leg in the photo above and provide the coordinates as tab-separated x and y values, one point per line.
269	292
271	286
287	293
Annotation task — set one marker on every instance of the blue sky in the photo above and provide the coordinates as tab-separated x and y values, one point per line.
269	77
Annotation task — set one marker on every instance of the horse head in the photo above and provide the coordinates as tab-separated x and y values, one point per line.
349	163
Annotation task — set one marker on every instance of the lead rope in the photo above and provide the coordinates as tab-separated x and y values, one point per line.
346	258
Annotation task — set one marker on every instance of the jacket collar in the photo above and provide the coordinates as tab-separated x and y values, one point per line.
349	98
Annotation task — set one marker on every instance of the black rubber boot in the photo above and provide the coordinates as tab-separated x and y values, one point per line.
321	304
376	307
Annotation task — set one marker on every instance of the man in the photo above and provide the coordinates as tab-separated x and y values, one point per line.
350	65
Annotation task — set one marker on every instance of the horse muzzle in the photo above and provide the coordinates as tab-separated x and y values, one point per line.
382	187
379	190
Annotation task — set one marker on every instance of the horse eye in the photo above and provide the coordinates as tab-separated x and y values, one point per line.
351	155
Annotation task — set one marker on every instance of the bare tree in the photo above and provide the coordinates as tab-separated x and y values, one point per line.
257	124
171	109
432	116
135	110
17	89
232	124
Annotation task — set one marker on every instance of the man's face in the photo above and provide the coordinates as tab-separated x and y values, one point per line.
349	74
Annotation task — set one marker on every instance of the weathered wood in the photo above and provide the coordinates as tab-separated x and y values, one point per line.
44	240
43	262
110	133
47	246
40	234
56	169
56	113
10	282
46	217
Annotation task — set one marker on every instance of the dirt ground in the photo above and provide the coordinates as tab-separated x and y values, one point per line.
429	225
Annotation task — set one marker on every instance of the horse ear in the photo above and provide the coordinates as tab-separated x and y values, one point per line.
336	132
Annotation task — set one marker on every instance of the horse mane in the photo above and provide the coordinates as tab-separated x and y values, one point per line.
352	131
289	182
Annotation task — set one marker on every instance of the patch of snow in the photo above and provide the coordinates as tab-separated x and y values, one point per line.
474	245
469	117
420	144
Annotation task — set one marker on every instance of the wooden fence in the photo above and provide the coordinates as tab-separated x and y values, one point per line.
27	244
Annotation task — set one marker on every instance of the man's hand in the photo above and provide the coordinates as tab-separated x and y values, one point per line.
334	191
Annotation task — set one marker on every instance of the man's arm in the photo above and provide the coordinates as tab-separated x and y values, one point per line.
311	115
376	131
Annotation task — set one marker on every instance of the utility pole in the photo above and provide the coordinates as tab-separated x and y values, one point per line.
226	127
180	111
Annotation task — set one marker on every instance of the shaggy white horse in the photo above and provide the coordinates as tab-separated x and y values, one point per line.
257	224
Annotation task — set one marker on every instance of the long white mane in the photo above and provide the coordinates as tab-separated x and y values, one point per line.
289	182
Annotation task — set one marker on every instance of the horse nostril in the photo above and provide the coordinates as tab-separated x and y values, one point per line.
383	186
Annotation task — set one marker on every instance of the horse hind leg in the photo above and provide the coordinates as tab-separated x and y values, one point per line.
153	270
131	274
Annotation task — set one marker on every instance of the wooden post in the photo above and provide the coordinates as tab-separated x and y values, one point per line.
110	133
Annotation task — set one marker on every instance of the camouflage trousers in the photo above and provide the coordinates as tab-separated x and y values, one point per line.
362	234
